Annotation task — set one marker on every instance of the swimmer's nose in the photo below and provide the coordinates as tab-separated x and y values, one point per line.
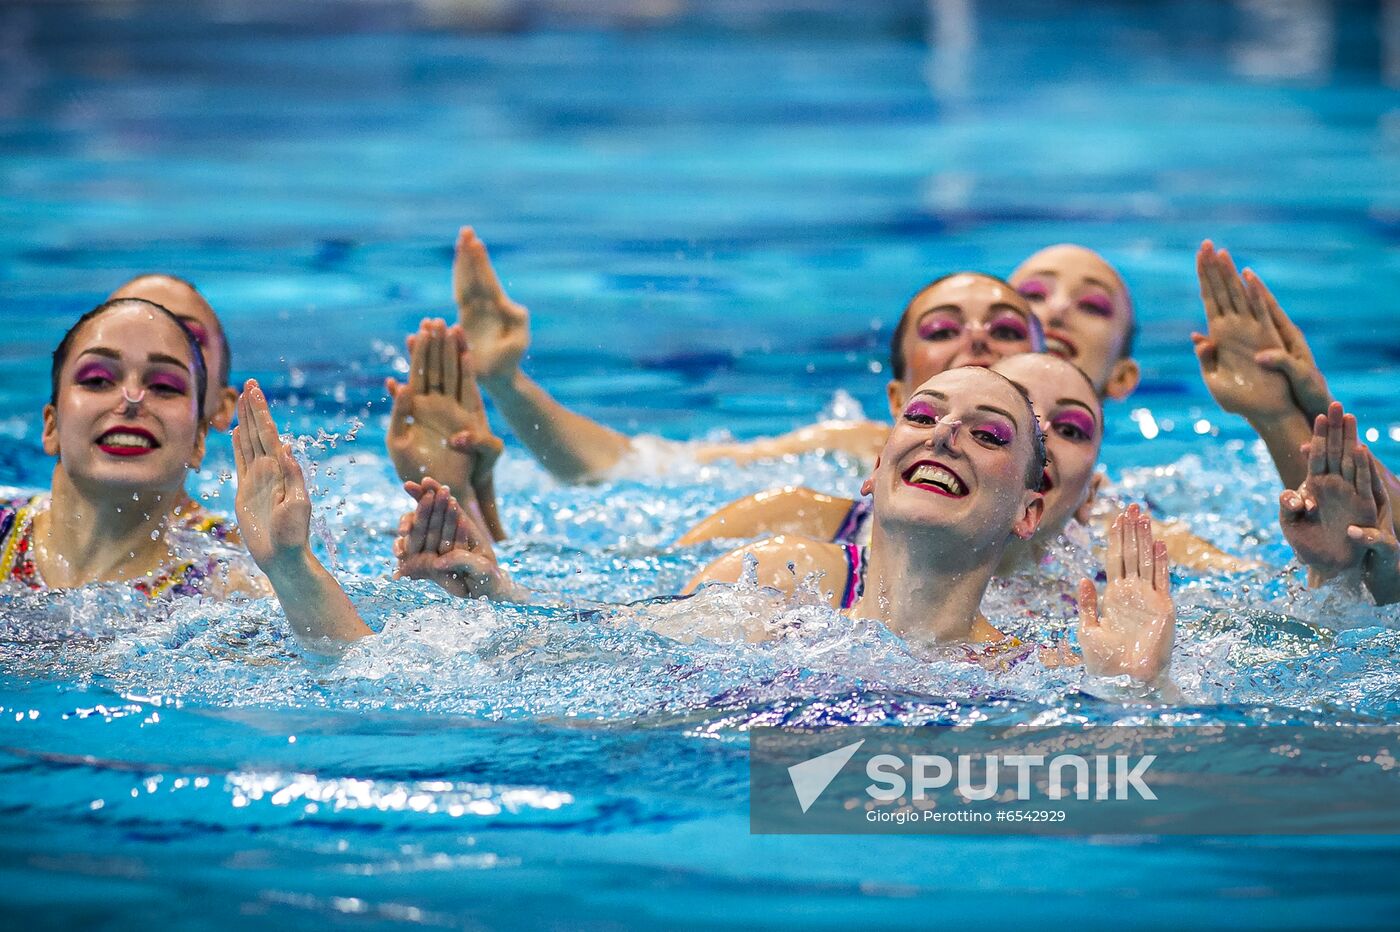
945	433
129	403
1056	308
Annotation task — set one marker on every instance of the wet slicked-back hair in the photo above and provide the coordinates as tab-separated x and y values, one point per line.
65	347
899	364
222	376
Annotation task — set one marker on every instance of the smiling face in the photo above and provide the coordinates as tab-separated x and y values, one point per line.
1072	418
1086	311
958	460
126	419
962	320
182	300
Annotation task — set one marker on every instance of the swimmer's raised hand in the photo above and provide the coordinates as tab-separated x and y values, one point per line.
497	329
274	512
1132	632
1293	359
438	425
274	517
1239	331
448	543
1334	520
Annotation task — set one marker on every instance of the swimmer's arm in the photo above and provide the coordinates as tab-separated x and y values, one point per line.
1242	331
274	515
572	447
790	510
1195	553
861	439
783	563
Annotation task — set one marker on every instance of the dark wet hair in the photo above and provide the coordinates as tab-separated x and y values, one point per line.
226	368
899	365
1035	472
65	347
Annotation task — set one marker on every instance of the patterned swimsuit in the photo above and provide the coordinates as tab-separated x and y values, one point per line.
180	577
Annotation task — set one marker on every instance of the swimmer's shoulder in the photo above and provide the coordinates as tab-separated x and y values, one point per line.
781	563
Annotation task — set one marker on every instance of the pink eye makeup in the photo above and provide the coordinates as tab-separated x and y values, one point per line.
995	432
1008	327
1073	425
939	328
93	372
165	381
1033	289
921	412
1097	304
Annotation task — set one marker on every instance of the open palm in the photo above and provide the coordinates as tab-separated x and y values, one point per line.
438	426
1132	632
274	512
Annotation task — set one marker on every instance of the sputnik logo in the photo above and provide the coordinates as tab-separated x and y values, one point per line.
811	777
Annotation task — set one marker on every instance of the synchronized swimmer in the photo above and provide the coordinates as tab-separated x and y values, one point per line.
996	397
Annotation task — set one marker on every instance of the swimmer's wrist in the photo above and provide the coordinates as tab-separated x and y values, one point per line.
292	567
510	381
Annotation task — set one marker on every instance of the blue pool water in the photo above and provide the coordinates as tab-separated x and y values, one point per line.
714	212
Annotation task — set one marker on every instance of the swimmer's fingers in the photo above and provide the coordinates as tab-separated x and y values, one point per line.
454	341
1349	450
1113	560
400	407
1292	506
1088	606
1259	308
472	271
1363	483
418	531
415	490
1207	354
1234	285
240	455
1129	530
478	537
418	359
266	440
1145	567
1336	429
1205	272
432	539
1317	447
435	377
293	479
1161	567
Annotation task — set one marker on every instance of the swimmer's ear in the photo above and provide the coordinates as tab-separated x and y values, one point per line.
197	457
1026	525
868	486
1123	379
222	418
50	435
1085	511
895	391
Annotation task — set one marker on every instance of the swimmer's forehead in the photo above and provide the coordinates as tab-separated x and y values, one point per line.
978	388
1039	372
135	331
969	287
1070	261
177	297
